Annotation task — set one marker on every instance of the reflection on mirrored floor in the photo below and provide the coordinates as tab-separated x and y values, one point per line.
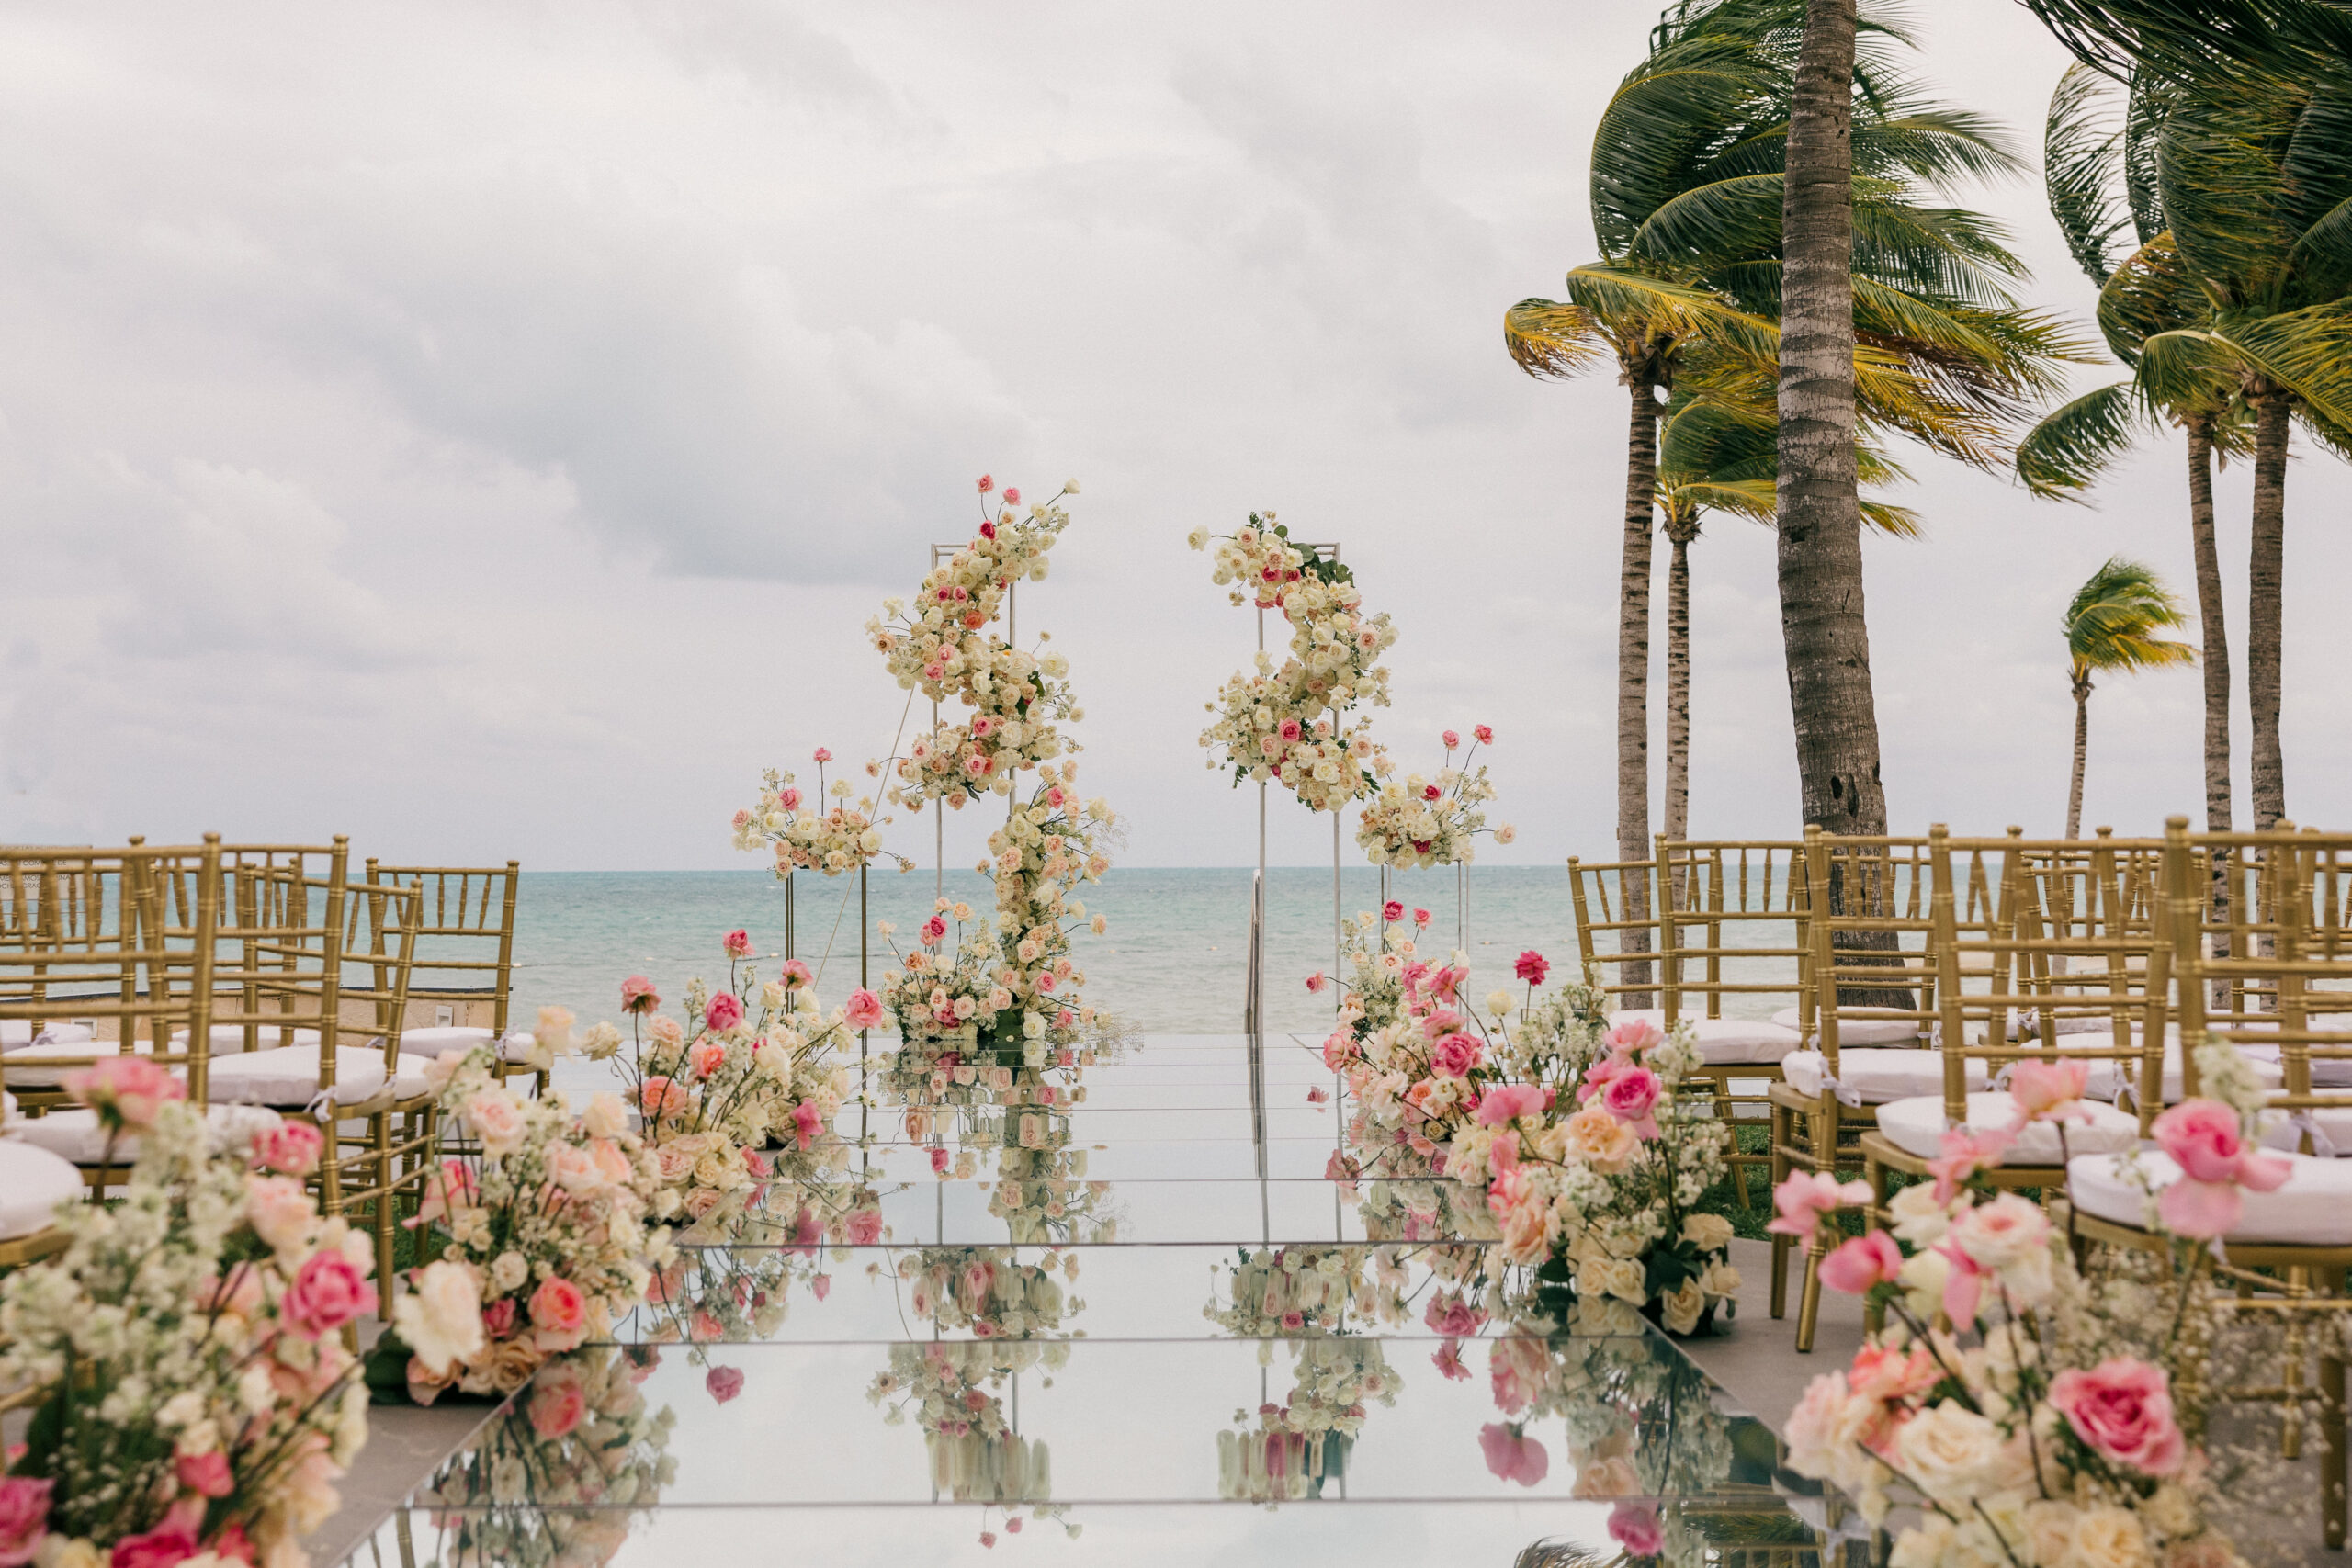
1091	1330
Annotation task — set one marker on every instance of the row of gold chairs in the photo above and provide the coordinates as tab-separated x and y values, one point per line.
269	980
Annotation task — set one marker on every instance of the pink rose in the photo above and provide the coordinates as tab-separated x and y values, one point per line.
724	1384
167	1545
863	1226
1805	1196
865	1011
724	1011
280	1211
126	1092
789	798
1512	1455
1448	1359
1531	967
1421	919
1453	1317
1635	1527
823	756
1011	496
1857	1265
706	1057
206	1474
796	976
737	943
1392	912
2202	1136
2050	1091
1631	1096
1634	1034
24	1518
558	1313
661	1097
638	995
291	1148
498	1318
328	1291
1884	1375
2122	1408
1484	734
1452	741
805	1123
1454	1057
558	1403
1509	1101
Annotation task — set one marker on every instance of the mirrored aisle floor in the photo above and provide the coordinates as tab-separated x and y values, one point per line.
1060	1368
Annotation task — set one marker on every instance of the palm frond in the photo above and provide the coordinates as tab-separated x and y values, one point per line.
2082	163
2074	442
2309	352
1547	338
2113	619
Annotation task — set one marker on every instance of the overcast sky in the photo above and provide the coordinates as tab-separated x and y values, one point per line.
484	430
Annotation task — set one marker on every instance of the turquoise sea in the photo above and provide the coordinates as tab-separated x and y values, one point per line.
1173	961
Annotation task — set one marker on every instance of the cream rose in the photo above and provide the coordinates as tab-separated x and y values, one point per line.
1708	1233
440	1315
1948	1449
2109	1536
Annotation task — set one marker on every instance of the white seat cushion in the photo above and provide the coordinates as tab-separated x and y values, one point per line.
2109	1078
430	1043
29	1068
2330	1072
231	1037
75	1134
288	1076
32	1183
1917	1126
2313	1209
1860	1026
1723	1042
2332	1122
1879	1075
16	1033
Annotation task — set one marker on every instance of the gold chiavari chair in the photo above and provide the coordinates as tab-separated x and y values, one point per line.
1987	980
1721	904
388	1139
1616	929
1873	998
466	959
87	937
2290	1254
277	1036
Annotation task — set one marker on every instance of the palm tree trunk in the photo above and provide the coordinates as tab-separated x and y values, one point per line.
2264	579
1633	673
2082	755
1678	678
2214	634
1822	624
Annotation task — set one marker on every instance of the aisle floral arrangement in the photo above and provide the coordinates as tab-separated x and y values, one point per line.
1431	821
2050	1424
557	1480
1287	1451
543	1236
739	1101
950	1387
1010	993
1289	725
989	1292
198	1403
1569	1146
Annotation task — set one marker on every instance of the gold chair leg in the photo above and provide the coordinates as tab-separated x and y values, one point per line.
2290	1420
380	1130
1873	1310
2332	1449
1809	1301
1780	1134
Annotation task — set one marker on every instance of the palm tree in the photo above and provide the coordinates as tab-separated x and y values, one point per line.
2250	168
2099	157
2112	625
1687	176
1717	453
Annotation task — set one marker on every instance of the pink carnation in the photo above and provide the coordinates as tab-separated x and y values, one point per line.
724	1011
1531	967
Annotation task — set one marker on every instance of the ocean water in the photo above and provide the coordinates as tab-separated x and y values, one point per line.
1174	959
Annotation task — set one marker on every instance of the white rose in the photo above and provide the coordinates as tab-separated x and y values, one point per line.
606	1116
508	1272
496	1118
1682	1306
1708	1233
2109	1536
1948	1449
1922	1278
1919	1218
440	1316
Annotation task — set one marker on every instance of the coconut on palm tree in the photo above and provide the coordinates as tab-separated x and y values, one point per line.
2111	626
